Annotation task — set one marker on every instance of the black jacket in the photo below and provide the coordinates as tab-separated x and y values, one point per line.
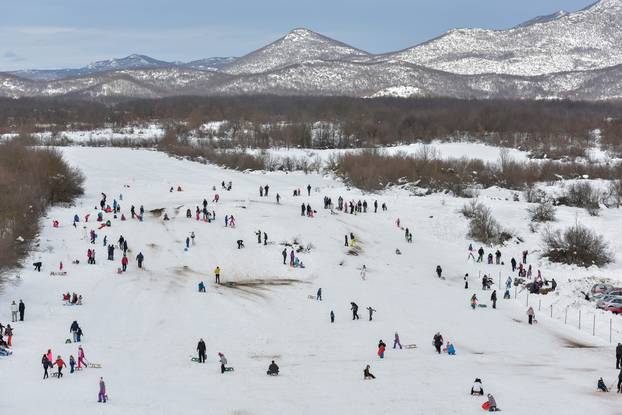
619	350
22	307
201	346
273	368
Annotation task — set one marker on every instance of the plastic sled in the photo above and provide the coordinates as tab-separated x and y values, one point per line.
67	341
94	365
486	406
482	305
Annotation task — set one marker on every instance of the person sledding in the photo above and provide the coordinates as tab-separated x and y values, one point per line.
367	374
273	369
601	385
490	405
477	388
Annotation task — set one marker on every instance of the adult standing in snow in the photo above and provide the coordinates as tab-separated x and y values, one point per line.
201	348
265	191
438	342
620	382
364	273
102	397
439	271
319	294
140	258
493	298
466	281
46	364
513	263
217	275
265	239
278	198
332	316
396	341
355	310
618	355
258	233
284	253
371	312
309	189
530	314
223	362
74	330
14	310
22	310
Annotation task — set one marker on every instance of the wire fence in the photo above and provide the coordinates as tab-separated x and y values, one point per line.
591	320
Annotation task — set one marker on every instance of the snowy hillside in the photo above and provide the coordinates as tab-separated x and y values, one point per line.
143	326
584	40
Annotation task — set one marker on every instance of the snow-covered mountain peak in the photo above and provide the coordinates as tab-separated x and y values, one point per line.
298	46
129	62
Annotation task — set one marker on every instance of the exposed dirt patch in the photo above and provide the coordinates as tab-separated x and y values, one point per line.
260	286
574	344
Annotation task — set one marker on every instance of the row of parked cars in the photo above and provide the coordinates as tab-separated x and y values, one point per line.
607	297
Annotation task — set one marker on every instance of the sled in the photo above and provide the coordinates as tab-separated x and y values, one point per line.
67	341
229	369
54	374
311	297
195	359
94	365
410	346
482	305
58	273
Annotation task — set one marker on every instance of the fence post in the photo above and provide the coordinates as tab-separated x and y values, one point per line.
527	299
594	325
539	304
515	292
609	329
566	316
551	310
579	319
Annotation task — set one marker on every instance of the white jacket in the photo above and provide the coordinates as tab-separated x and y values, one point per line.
14	308
477	387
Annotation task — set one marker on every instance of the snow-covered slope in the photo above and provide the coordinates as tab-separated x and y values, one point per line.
143	326
298	46
211	64
584	40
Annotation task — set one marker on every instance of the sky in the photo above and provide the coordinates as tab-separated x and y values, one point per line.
48	34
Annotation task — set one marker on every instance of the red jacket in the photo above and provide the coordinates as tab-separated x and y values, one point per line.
124	260
60	363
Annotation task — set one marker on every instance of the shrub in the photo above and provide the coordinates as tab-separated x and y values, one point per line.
484	228
470	209
30	181
542	212
582	195
577	245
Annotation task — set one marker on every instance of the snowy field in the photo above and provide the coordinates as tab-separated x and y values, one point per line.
143	326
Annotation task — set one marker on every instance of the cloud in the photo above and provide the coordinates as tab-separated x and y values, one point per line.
42	30
11	56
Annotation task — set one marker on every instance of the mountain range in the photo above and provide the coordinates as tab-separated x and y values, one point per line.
560	56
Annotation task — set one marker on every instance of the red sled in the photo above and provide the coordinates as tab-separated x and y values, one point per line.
486	406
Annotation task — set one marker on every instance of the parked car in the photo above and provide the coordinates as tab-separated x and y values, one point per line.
601	288
615	310
615	302
605	298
